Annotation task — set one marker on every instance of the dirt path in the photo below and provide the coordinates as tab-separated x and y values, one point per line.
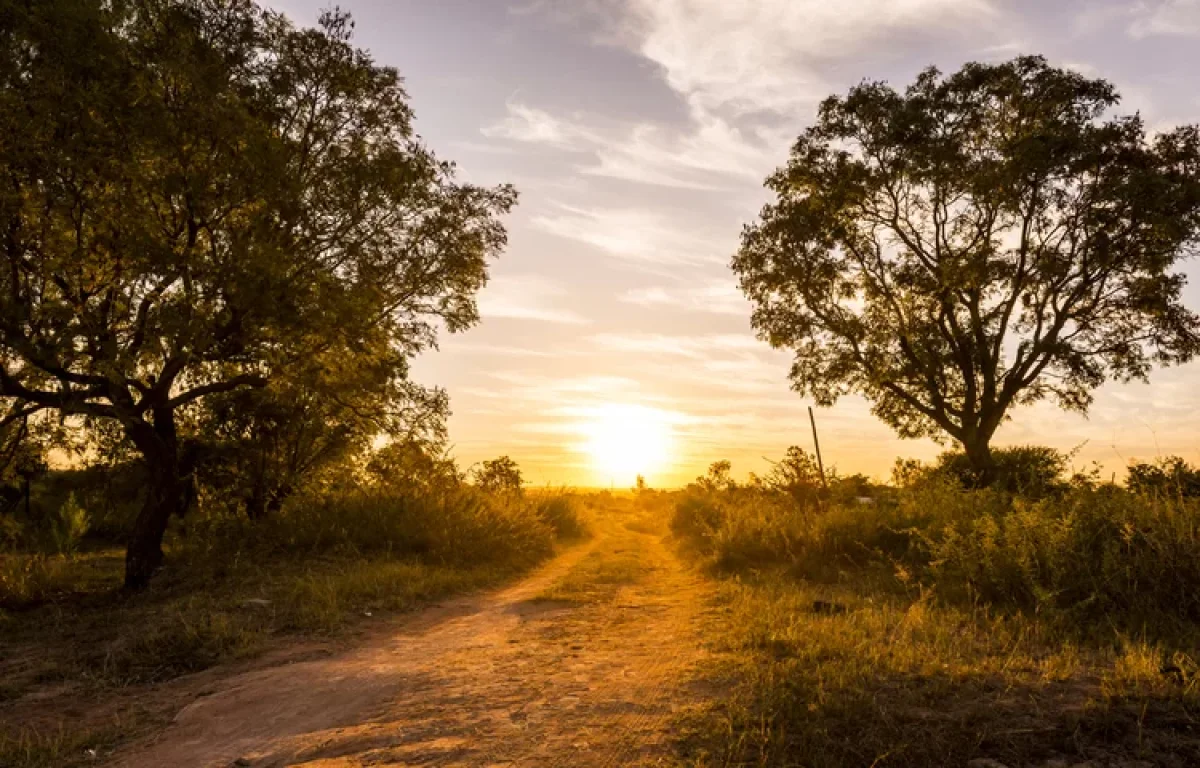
503	679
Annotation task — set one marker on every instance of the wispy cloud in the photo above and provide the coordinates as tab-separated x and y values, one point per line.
524	123
634	235
526	297
1167	17
708	155
718	297
683	346
727	61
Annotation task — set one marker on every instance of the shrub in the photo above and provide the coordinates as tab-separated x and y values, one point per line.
561	511
798	476
27	579
1092	557
1171	476
1027	470
500	475
68	526
460	525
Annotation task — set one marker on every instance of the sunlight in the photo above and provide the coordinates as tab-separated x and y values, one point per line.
624	441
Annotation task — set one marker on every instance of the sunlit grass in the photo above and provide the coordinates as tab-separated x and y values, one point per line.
935	628
899	682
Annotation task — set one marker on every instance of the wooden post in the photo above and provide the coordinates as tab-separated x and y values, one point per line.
817	443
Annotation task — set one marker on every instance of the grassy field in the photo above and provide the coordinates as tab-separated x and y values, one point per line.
1056	633
232	591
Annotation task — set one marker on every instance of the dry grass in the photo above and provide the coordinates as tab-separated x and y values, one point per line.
622	558
932	630
836	677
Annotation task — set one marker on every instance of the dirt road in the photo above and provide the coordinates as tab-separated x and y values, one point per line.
585	663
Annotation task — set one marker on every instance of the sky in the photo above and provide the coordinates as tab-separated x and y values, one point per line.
614	339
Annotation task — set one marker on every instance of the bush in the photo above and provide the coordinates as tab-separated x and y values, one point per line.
501	475
1032	471
460	525
68	526
561	511
1094	556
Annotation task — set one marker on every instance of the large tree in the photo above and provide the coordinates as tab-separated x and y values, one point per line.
982	240
197	197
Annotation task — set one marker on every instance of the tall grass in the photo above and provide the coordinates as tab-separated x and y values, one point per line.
933	624
457	525
231	584
1090	556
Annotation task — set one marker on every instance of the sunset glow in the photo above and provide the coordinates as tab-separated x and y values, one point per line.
639	134
624	441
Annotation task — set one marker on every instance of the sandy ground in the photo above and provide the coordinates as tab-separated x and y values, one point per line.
499	679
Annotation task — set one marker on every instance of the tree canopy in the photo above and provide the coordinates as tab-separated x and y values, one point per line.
199	198
982	240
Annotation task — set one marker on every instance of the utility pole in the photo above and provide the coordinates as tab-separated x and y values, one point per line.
817	443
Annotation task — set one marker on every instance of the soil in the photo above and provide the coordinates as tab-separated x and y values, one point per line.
499	679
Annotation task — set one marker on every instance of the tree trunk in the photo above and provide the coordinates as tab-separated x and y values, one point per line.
166	494
983	465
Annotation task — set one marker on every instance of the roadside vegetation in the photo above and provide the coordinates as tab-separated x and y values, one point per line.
930	622
974	242
335	556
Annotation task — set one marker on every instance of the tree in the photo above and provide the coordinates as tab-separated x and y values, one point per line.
718	478
500	475
197	199
414	465
797	475
263	444
981	241
1169	476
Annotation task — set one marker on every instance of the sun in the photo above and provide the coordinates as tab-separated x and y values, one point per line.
627	440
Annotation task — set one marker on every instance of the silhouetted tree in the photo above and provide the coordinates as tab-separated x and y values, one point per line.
501	475
980	241
414	465
718	478
1169	476
197	198
797	475
263	444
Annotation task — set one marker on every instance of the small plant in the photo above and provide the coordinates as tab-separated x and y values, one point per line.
68	526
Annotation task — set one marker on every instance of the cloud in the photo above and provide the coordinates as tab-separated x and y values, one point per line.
526	297
768	56
706	155
634	235
524	123
683	346
727	61
1172	17
717	297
